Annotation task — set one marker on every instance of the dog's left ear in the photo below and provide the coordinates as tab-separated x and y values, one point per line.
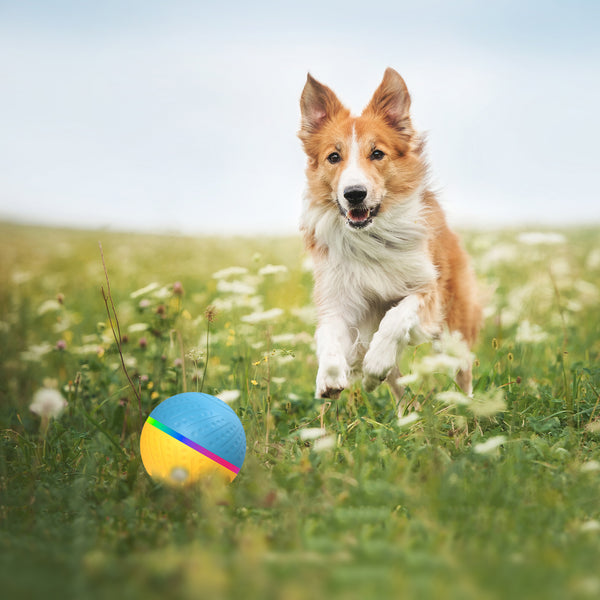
391	100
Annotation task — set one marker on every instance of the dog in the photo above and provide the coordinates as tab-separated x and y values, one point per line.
388	271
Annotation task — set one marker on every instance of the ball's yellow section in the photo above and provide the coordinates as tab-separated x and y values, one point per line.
173	462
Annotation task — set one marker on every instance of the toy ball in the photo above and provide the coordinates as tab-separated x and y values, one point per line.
192	435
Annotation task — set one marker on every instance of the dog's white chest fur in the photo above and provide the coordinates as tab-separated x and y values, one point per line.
376	266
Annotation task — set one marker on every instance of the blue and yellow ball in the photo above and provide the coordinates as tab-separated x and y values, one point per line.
192	435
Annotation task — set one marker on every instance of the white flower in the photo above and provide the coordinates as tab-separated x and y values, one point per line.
47	402
235	287
324	443
259	317
48	306
408	379
228	272
311	433
490	446
591	525
453	397
590	466
487	404
530	333
272	269
593	259
34	353
137	327
229	395
149	288
409	419
533	238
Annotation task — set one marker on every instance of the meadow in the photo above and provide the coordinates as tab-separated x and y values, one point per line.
491	497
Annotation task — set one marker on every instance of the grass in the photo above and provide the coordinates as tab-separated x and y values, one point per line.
495	499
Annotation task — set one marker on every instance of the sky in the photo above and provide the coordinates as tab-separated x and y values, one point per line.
181	116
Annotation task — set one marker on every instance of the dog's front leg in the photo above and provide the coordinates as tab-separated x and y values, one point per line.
401	325
333	346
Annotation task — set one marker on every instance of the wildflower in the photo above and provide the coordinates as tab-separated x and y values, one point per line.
324	443
259	317
47	403
210	314
61	345
145	303
409	419
48	306
591	525
272	269
254	382
311	433
593	260
177	363
229	395
236	287
452	397
228	272
533	238
490	446
530	333
34	353
60	298
487	404
195	354
408	379
145	290
590	466
143	343
178	288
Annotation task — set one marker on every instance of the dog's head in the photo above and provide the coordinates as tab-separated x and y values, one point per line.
360	165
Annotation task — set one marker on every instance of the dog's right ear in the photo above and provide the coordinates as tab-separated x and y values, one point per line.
318	104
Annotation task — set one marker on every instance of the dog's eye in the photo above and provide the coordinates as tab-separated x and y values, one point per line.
334	157
377	155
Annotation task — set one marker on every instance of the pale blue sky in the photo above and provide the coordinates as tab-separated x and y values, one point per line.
182	116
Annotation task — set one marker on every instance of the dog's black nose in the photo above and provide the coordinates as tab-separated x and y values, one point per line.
355	194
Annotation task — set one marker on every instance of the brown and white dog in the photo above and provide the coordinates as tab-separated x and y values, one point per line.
388	270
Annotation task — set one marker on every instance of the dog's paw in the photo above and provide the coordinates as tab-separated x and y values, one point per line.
332	377
379	361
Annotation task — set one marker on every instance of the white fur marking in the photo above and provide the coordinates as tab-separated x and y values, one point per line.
353	174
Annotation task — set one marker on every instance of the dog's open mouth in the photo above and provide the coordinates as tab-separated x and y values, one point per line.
360	217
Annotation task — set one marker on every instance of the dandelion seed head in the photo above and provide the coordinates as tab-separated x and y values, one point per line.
487	404
210	314
47	402
490	446
311	433
324	443
229	395
409	419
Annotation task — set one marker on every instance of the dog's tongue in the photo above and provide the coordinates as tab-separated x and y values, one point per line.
358	215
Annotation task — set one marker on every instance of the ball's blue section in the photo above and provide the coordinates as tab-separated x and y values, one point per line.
207	421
